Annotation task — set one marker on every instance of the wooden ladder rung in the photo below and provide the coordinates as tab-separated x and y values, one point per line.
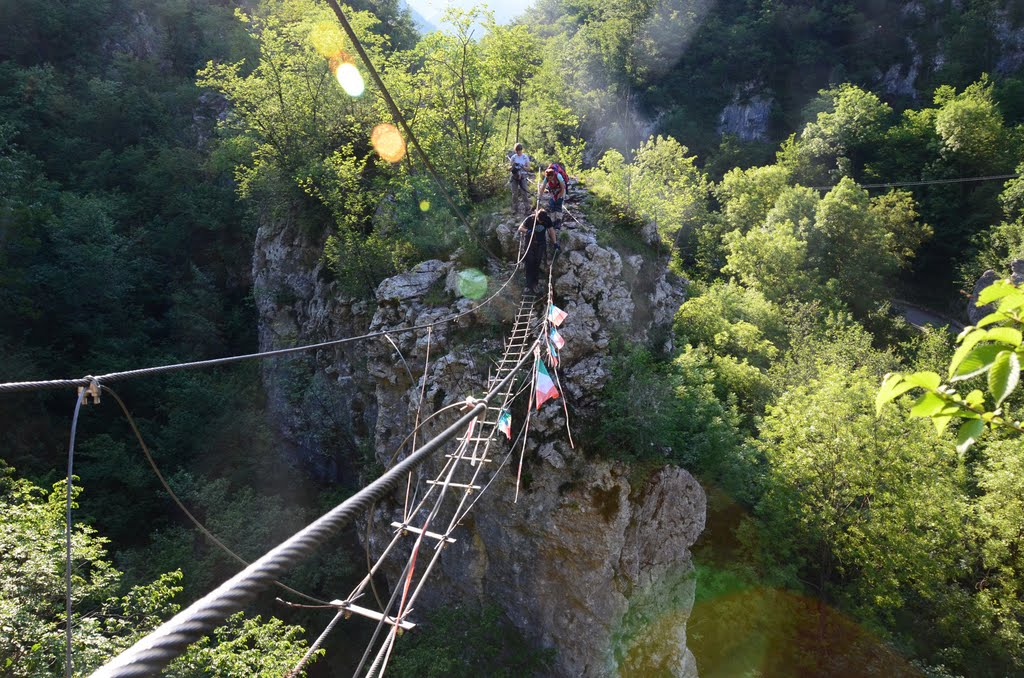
463	486
372	614
416	530
466	457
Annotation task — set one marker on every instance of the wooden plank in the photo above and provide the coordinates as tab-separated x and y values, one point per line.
372	614
463	486
485	460
416	530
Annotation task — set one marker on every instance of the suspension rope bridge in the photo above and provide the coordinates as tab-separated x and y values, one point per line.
461	476
446	500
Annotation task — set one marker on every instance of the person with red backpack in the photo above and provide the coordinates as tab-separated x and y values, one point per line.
556	180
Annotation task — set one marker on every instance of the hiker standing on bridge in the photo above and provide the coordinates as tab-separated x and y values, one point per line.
519	168
543	231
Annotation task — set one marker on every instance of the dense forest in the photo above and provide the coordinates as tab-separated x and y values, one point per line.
143	144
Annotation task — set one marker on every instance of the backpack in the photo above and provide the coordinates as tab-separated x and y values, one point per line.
552	182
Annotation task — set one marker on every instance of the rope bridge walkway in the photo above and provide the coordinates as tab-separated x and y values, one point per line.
468	470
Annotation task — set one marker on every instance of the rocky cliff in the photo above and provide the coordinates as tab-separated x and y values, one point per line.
593	559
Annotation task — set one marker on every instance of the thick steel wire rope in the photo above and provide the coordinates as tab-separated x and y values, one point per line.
927	182
157	649
174	497
16	386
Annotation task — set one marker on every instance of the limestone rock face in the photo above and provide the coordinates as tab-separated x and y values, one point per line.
587	559
589	556
746	117
975	312
317	400
585	562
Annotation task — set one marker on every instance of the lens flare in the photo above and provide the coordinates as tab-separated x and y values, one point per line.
327	39
389	144
349	78
424	205
472	283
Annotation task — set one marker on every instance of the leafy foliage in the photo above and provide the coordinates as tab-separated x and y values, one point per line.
662	185
462	642
994	352
105	619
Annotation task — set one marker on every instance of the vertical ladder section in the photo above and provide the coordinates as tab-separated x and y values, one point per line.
453	482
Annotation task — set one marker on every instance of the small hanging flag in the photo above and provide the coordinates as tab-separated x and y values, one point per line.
505	423
557	339
556	315
553	354
545	386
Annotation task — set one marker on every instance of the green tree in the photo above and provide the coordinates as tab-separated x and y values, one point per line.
730	319
748	195
106	620
970	126
876	508
662	185
844	135
998	516
771	260
454	95
848	243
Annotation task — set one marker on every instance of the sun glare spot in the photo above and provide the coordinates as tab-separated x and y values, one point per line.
388	143
472	283
327	39
349	78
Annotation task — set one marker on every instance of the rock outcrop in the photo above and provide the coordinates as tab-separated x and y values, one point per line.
593	558
975	312
748	116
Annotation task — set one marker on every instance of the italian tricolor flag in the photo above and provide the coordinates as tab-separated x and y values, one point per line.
545	386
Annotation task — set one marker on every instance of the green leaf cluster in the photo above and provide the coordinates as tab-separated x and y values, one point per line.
107	617
994	353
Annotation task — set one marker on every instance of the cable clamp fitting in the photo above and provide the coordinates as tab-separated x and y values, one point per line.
92	390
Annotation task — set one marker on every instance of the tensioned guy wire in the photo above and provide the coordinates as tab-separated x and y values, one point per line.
14	386
149	655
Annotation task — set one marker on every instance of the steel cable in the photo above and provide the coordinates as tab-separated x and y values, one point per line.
157	649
